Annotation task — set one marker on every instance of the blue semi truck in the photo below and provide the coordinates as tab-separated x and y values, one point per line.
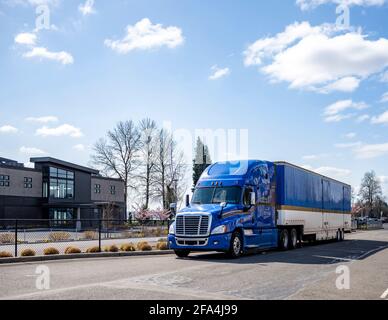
242	205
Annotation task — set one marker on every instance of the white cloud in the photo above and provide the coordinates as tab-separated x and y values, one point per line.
42	53
62	130
362	118
45	119
322	58
145	35
335	111
346	84
384	97
333	172
219	73
32	2
311	4
79	147
370	151
31	151
384	77
350	135
383	179
312	157
26	38
87	8
8	129
348	145
381	119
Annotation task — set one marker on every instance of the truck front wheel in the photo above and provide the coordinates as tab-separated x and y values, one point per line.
236	245
182	253
284	240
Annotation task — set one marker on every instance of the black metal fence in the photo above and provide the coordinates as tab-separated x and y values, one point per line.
41	237
369	224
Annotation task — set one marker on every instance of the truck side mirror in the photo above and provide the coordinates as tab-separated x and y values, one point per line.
253	198
187	200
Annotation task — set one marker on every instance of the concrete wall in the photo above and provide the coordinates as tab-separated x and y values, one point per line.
105	195
16	181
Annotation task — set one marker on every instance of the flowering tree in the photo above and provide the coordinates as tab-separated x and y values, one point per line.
148	214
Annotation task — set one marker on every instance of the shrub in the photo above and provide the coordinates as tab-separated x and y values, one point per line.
28	253
7	238
72	250
144	246
50	251
90	235
5	254
59	236
127	247
111	248
162	245
93	250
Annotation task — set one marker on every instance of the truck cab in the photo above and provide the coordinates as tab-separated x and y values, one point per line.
233	209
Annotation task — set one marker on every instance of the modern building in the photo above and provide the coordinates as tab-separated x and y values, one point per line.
58	190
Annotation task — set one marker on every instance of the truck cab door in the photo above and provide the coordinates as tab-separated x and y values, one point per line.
251	231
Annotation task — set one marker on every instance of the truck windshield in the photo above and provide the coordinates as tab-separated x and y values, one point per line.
217	195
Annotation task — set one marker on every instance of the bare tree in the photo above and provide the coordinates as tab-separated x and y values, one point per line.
370	193
162	157
147	128
117	154
170	169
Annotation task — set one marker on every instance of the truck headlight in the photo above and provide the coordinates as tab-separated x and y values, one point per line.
220	230
172	229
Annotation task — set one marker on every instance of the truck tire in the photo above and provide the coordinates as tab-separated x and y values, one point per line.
293	239
284	240
236	245
338	236
182	253
342	232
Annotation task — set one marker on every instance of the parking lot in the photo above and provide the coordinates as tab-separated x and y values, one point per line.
306	273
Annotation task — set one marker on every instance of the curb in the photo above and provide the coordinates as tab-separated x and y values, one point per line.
84	256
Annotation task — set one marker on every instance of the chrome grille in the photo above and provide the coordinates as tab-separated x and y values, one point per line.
191	225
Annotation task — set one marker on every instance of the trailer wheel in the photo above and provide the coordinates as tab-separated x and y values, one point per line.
236	245
293	239
182	253
342	232
338	236
284	240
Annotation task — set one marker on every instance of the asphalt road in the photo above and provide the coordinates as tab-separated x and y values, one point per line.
306	273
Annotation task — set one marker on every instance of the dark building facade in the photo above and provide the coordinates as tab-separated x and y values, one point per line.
58	190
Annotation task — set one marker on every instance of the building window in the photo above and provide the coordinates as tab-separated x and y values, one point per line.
45	189
112	189
61	217
4	181
61	184
27	183
97	188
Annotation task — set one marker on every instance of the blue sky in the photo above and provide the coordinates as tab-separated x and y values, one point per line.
308	91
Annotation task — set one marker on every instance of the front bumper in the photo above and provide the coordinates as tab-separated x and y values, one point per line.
220	242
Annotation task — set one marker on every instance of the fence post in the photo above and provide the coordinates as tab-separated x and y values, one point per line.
16	237
99	235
